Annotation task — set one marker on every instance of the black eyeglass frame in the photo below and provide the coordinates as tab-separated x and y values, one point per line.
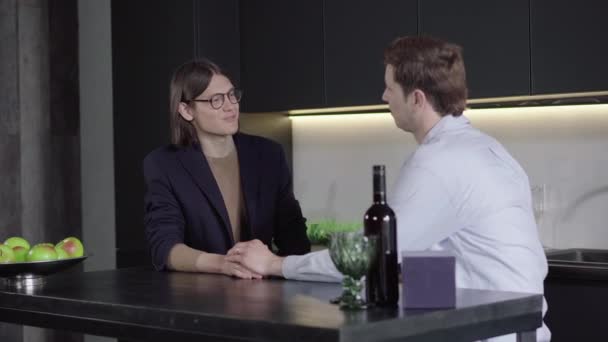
236	92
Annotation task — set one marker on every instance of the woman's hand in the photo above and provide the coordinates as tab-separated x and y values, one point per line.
254	255
235	269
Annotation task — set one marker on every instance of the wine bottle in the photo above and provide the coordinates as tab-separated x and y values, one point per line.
382	282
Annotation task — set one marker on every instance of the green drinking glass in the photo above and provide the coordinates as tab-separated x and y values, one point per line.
352	253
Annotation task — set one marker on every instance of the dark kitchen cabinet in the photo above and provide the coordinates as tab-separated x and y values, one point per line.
217	34
576	309
149	40
356	34
495	40
569	50
281	55
329	53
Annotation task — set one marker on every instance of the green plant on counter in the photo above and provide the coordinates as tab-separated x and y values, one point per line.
319	232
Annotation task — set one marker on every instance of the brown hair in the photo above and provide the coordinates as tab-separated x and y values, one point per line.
189	80
433	66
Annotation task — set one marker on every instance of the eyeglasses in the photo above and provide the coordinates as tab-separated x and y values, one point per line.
217	100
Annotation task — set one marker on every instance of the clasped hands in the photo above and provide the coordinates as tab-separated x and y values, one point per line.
252	260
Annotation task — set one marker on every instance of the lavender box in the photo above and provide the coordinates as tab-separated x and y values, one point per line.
428	279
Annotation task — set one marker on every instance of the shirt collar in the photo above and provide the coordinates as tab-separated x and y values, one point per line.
446	124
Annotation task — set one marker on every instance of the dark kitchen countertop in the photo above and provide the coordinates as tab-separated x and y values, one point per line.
147	305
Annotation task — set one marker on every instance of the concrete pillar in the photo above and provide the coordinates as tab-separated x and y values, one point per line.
10	163
39	147
33	89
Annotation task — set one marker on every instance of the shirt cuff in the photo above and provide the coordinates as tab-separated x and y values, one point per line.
315	266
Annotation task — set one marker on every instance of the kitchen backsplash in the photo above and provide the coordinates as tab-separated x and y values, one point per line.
564	150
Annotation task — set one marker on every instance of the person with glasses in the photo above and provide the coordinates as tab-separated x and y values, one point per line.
214	186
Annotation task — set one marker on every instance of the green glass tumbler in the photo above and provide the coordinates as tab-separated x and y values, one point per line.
352	253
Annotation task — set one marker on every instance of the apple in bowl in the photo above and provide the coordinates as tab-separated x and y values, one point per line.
20	253
41	252
17	241
72	246
20	247
7	256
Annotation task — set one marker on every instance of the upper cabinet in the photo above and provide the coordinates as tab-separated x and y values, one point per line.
495	40
281	55
356	33
216	30
328	53
569	49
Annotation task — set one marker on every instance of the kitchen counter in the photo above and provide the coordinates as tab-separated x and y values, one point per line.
578	263
146	305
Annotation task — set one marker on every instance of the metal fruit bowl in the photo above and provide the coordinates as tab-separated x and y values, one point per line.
32	273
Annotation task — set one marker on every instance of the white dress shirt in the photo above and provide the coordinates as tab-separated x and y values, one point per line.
462	192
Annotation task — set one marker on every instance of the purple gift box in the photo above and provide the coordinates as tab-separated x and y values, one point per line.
428	279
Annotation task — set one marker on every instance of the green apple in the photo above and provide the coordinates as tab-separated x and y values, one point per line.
61	253
41	252
47	244
7	256
20	253
72	246
15	241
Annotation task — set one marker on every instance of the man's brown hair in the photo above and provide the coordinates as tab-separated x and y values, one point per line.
433	66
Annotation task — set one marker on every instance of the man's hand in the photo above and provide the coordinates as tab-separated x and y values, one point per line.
255	256
235	269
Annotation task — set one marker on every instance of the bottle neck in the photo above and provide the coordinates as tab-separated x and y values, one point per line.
380	197
379	188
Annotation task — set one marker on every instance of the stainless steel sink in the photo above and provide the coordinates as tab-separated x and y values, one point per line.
579	255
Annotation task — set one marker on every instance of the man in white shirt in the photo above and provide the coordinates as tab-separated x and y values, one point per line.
459	191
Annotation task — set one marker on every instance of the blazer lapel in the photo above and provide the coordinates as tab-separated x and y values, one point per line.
196	165
249	170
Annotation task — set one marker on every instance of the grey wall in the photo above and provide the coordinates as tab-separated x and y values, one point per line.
96	148
96	127
560	147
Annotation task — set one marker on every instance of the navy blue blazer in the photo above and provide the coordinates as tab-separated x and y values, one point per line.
183	203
